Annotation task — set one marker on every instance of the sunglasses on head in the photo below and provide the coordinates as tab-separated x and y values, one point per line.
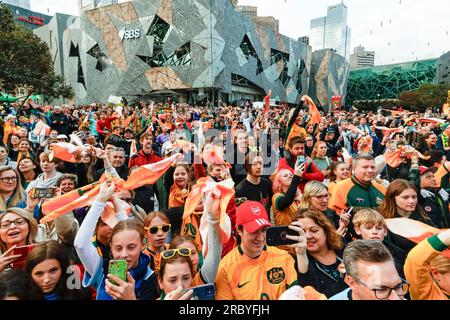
154	229
168	254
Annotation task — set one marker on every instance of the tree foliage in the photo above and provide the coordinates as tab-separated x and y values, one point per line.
426	96
25	61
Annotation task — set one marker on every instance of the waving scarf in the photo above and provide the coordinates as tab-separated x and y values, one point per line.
413	230
82	197
194	223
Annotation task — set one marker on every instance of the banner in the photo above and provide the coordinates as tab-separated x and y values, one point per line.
336	104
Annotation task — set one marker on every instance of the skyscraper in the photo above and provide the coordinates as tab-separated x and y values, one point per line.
331	31
362	58
19	3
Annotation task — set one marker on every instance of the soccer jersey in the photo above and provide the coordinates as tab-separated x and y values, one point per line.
264	278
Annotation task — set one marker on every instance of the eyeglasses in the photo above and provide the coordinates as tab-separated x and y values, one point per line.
322	197
18	222
384	293
8	179
155	229
168	254
127	200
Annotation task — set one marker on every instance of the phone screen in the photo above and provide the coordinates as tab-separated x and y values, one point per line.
46	193
300	160
118	268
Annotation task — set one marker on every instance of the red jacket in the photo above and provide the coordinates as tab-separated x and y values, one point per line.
310	174
141	159
102	125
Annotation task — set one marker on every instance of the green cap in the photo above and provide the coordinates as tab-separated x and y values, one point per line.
445	126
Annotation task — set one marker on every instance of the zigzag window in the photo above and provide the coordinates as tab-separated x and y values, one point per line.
158	30
276	56
248	50
301	68
180	57
100	56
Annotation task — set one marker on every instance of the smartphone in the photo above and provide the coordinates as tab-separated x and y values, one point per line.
300	160
276	236
118	268
203	292
46	193
23	251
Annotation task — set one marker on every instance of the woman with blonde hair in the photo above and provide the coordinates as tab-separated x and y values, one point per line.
287	196
11	190
320	158
315	197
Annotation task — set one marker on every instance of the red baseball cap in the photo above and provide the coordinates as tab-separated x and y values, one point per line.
423	169
252	216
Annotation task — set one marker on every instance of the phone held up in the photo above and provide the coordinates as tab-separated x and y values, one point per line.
276	236
118	268
46	193
203	292
23	251
300	160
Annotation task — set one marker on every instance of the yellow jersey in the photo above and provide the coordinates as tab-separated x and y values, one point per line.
264	278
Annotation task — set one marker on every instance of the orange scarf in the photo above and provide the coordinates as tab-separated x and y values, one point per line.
177	196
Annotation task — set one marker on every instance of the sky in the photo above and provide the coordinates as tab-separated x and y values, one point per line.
397	30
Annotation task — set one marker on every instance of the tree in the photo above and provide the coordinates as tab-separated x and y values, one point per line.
25	61
426	96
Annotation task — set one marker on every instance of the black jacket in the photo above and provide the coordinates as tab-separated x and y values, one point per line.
319	279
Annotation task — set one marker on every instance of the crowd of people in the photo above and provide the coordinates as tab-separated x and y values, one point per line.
185	195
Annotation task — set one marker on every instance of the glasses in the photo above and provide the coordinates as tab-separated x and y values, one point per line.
8	179
18	222
168	254
322	197
384	293
155	229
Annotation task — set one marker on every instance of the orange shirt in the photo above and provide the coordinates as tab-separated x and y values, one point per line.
264	278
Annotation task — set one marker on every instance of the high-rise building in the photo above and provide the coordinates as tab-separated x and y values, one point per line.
304	39
331	31
444	69
92	4
248	11
362	58
25	4
252	13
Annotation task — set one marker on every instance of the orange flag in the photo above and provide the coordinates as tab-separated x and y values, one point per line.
66	151
149	173
191	226
133	148
267	103
315	114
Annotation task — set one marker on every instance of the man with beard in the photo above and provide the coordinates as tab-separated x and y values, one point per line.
254	187
146	155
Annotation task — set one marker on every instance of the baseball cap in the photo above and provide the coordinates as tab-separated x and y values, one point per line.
423	169
128	129
252	216
445	126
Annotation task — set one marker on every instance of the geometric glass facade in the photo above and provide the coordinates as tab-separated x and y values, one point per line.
389	81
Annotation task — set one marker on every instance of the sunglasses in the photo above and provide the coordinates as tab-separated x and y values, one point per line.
168	254
154	229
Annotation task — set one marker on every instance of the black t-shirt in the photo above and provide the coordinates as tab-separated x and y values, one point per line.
261	192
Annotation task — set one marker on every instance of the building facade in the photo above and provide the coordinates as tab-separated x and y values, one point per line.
362	58
29	19
331	31
197	49
24	4
388	81
329	76
444	69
